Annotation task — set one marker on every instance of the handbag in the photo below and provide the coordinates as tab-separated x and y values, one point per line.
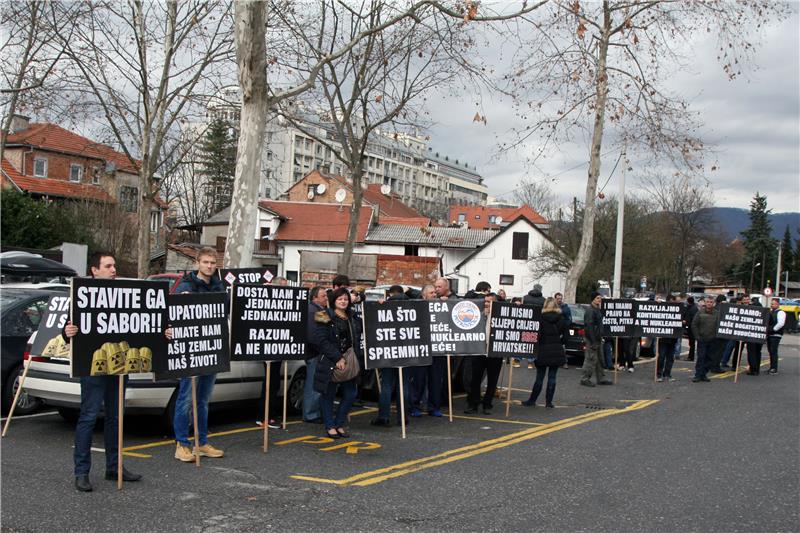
351	367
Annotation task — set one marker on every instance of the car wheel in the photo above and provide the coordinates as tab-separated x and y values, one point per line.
69	414
296	392
26	404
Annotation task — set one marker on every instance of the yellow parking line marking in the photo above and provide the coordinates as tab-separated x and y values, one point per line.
141	455
731	373
408	467
494	420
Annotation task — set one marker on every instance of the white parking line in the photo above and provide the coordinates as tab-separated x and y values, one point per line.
31	416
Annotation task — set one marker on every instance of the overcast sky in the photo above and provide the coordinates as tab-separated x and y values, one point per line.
752	123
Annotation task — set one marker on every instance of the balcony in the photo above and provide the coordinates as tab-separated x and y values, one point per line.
265	247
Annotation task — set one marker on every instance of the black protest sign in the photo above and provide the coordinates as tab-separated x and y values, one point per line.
120	323
397	333
268	323
618	317
49	342
242	276
457	327
199	346
746	323
513	329
659	319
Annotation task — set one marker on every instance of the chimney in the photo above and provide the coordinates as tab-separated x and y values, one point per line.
19	123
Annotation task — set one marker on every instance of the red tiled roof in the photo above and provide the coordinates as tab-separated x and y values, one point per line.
51	187
390	205
509	214
306	221
51	137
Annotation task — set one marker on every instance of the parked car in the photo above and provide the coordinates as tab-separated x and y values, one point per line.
49	380
173	277
26	267
21	309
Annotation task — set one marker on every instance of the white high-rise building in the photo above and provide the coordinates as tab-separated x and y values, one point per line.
425	180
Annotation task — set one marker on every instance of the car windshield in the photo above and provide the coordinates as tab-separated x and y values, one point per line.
10	297
577	313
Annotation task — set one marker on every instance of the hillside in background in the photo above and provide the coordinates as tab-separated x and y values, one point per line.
732	221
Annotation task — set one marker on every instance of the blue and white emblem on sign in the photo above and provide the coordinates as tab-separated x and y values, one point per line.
466	315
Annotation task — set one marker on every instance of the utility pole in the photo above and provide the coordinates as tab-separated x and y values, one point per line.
617	292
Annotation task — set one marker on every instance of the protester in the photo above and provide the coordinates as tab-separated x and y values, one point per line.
704	330
534	296
97	392
777	321
318	303
341	280
501	295
566	312
390	377
431	376
551	355
753	348
627	353
666	358
491	367
344	332
593	333
274	379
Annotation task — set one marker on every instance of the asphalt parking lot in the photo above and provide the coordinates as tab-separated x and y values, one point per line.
637	456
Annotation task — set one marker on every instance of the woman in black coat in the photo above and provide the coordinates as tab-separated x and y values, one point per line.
552	338
341	330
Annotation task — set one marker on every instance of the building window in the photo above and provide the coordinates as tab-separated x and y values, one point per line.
519	246
462	217
506	279
411	249
40	167
291	275
477	217
156	221
96	176
492	218
129	198
75	173
221	243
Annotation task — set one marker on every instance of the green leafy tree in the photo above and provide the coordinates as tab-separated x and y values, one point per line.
31	223
760	246
788	258
796	253
217	163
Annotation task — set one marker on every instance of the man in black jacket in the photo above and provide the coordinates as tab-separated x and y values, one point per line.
491	366
318	301
593	331
689	313
534	296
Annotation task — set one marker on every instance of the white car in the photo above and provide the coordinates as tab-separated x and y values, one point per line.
49	380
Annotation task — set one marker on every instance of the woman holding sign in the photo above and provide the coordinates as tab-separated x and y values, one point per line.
552	338
338	365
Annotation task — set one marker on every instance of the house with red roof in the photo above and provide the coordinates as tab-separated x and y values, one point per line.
486	217
47	161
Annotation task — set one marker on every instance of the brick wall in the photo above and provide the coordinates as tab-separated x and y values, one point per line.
407	270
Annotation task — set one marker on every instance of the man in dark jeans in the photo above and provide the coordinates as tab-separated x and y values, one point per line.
491	366
704	329
777	321
593	331
97	391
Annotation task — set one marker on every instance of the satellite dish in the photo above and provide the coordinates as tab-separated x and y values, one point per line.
341	194
498	220
321	188
385	189
310	195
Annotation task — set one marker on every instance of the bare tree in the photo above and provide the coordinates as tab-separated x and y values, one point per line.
144	66
600	67
537	194
31	54
258	97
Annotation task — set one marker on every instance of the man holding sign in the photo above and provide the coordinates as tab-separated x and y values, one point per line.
95	392
201	282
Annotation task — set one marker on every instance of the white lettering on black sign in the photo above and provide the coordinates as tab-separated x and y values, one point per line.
742	323
397	333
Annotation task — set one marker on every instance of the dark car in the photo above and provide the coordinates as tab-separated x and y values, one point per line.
576	347
173	278
21	310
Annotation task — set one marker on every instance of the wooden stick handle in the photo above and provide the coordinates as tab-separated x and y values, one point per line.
194	416
508	395
285	390
17	395
738	362
449	389
616	358
402	402
658	354
120	418
266	407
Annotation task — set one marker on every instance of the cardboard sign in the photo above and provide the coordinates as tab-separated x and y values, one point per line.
513	329
244	276
748	323
268	323
457	327
120	323
396	334
619	317
49	342
199	345
659	319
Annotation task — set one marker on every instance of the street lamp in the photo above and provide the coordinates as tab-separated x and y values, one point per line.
752	272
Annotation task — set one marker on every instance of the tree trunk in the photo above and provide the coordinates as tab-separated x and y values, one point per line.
251	54
143	214
601	95
355	212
